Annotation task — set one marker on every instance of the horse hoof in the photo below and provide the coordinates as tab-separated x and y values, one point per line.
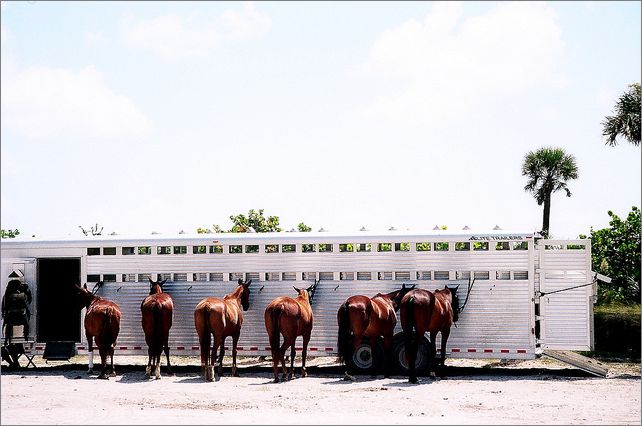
103	377
413	380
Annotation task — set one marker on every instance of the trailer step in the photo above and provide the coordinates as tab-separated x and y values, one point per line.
580	361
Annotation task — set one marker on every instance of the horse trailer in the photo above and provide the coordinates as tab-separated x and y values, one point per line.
522	294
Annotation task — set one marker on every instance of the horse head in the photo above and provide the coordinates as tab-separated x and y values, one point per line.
84	297
156	286
245	293
397	295
309	292
454	302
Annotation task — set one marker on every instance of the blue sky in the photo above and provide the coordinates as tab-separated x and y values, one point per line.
166	116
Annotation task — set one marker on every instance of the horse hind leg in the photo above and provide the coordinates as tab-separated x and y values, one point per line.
220	359
169	366
150	357
157	357
103	362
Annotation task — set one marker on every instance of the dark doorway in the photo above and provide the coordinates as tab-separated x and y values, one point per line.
58	318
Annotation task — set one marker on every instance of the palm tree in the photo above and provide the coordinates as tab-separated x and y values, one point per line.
626	121
548	170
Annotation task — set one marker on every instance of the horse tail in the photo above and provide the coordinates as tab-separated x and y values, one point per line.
343	343
108	337
275	335
158	328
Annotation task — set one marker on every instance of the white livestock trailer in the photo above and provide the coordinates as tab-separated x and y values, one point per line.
529	294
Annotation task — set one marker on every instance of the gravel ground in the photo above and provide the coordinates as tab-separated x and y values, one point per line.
540	391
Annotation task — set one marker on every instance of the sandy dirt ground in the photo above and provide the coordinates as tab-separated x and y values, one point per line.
542	391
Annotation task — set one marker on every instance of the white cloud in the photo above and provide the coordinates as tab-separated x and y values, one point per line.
448	63
41	102
173	37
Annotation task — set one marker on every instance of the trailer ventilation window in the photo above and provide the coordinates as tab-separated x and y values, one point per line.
441	246
520	245
384	247
462	275
384	276
520	275
344	248
109	278
163	250
402	246
402	276
252	249
502	275
502	245
166	277
480	245
424	247
462	246
144	277
216	249
145	250
216	276
329	276
553	247
272	276
129	278
199	249
309	276
180	277
271	248
235	276
180	249
363	247
199	276
364	276
93	251
482	275
288	276
346	276
288	248
325	248
254	276
109	251
236	249
308	248
424	275
128	250
442	275
575	247
93	278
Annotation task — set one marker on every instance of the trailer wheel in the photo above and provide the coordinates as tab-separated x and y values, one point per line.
365	360
399	355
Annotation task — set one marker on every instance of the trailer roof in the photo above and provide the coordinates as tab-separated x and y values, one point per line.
267	237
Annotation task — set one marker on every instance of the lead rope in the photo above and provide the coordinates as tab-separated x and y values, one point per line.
541	293
468	290
470	287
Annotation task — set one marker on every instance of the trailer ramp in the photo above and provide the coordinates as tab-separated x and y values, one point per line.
583	363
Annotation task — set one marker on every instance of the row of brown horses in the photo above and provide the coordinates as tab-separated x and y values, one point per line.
215	319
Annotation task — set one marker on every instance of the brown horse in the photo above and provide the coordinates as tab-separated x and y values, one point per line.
221	318
157	311
363	317
102	322
291	317
424	311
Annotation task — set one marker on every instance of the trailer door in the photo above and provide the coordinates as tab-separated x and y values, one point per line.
566	295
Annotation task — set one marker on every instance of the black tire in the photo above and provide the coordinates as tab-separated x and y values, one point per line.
364	361
399	360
